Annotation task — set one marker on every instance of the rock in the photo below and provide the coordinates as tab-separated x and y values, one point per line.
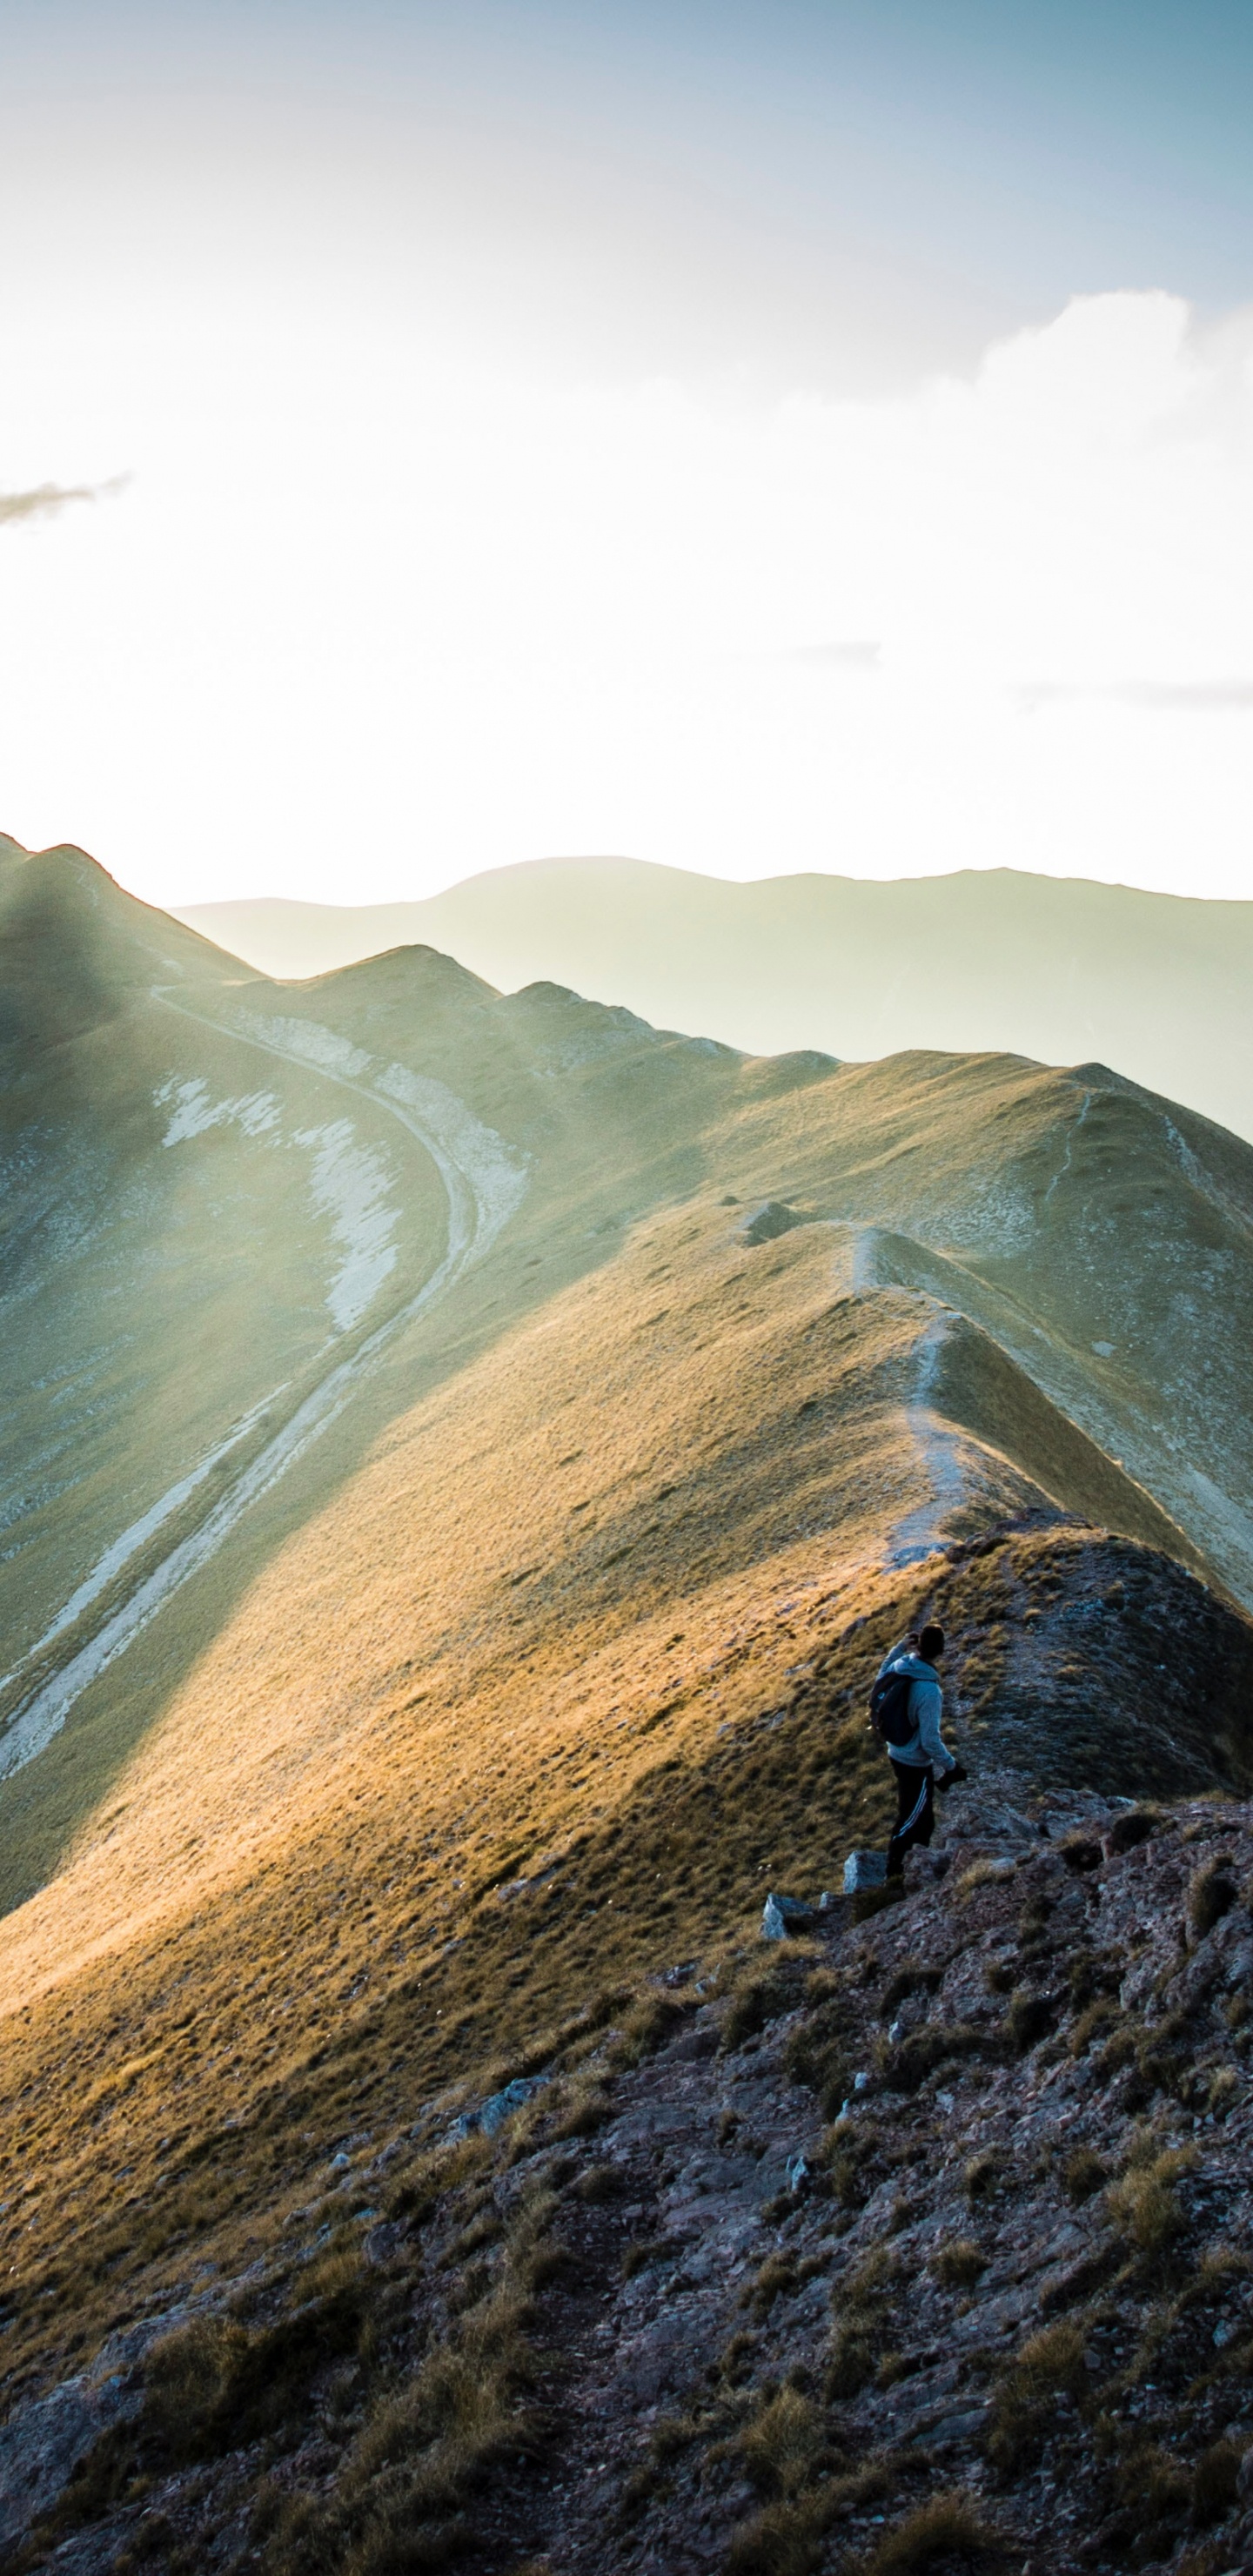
340	2163
771	1219
499	2107
44	2442
382	2244
1244	2480
781	1915
864	1869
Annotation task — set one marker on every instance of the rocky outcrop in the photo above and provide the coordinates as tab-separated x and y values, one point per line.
946	2195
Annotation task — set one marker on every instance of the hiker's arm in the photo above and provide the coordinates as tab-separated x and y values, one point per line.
927	1711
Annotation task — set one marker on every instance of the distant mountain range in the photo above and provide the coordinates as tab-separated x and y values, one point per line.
1059	969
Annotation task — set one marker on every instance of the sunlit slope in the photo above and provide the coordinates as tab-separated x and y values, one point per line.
205	1342
1062	969
1104	1237
696	1423
243	1225
188	1229
213	1194
557	1683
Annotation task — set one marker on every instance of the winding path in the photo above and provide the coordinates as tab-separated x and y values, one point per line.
483	1183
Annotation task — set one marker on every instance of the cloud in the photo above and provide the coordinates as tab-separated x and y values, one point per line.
1157	697
838	657
47	498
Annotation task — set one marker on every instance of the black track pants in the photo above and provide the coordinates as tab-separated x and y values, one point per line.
915	1812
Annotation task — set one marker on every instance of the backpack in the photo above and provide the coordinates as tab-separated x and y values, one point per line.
889	1706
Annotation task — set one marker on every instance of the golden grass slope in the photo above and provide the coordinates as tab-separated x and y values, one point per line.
552	1657
569	1672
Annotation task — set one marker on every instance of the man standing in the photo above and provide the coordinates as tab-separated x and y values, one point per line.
921	1759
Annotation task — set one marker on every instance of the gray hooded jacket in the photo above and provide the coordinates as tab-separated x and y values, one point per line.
926	1749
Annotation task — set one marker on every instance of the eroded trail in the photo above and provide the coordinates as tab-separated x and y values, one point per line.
484	1181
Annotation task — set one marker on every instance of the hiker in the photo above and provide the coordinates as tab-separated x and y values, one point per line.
908	1719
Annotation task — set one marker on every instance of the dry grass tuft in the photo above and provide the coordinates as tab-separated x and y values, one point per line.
1136	1825
1032	2393
861	2305
784	2540
984	2173
1029	2018
782	2445
1211	1894
948	2531
1144	2206
777	2275
958	2263
1083	2174
983	1873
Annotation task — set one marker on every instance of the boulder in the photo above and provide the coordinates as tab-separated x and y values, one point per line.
782	1915
499	2107
864	1869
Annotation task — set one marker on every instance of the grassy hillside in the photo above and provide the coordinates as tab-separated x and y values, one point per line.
521	1643
1056	968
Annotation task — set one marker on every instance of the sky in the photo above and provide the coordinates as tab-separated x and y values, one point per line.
751	438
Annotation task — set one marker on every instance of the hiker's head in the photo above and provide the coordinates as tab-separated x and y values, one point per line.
931	1645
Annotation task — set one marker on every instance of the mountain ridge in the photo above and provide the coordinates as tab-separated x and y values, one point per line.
657	1391
975	961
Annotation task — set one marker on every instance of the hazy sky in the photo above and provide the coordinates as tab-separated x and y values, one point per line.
752	437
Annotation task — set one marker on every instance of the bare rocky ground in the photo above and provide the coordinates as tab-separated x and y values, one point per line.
924	2240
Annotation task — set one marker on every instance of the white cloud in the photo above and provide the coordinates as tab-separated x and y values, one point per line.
377	614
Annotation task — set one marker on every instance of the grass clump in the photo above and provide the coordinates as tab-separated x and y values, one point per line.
959	2263
1082	1851
216	2382
784	2540
1211	1894
984	2173
861	2303
1136	1825
1083	2174
600	2183
778	2274
646	2250
647	2027
784	2444
983	1873
1032	2393
948	2531
906	2063
817	2056
1096	2022
1215	2482
759	1997
1224	2086
1029	2018
911	1978
1144	2206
